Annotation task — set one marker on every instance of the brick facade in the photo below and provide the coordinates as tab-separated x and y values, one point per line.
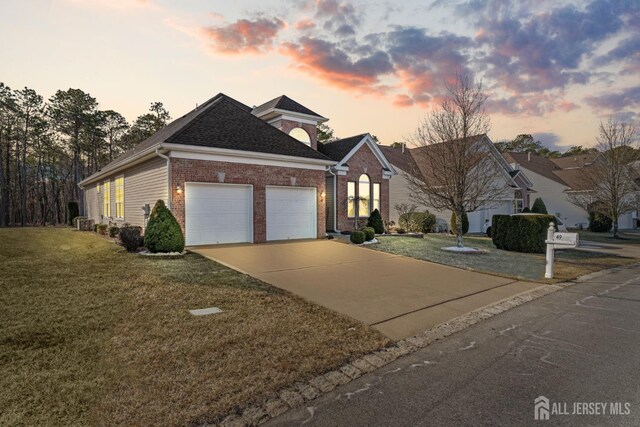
287	125
363	161
188	170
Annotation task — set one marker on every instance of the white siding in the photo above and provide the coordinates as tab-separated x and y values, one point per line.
143	183
556	200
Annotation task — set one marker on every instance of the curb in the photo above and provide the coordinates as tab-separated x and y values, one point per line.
296	395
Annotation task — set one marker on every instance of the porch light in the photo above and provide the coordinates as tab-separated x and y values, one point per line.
178	190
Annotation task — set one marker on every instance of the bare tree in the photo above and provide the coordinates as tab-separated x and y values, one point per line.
455	169
608	184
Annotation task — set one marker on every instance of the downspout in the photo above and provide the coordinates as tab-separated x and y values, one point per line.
335	198
168	159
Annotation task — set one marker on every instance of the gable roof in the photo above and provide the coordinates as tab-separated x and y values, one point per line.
536	164
398	158
338	149
575	161
221	122
283	102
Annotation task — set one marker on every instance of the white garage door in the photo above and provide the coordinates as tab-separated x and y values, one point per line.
291	213
218	213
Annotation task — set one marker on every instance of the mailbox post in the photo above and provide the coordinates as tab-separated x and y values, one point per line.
557	241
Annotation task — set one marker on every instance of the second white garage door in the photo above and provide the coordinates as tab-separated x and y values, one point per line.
291	213
218	213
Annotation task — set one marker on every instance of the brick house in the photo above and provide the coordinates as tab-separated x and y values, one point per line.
230	174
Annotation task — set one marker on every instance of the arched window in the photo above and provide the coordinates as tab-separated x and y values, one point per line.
301	135
364	195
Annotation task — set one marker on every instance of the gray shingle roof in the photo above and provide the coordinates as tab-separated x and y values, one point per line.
223	122
283	102
337	150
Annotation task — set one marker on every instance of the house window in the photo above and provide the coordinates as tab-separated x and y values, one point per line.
364	195
517	202
301	135
351	199
376	196
106	199
119	184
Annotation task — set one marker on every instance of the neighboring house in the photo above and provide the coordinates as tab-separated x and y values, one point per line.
358	183
233	174
515	199
555	179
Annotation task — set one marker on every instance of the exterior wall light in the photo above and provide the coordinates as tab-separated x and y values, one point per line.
178	190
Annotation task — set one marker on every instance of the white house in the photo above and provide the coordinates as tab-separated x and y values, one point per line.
403	161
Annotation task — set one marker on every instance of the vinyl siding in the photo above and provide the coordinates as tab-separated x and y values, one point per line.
399	193
143	183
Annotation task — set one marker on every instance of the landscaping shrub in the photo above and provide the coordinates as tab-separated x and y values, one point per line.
599	223
499	227
375	222
418	222
369	233
72	211
357	237
95	228
539	207
163	233
526	210
130	238
113	231
401	230
520	233
454	223
102	229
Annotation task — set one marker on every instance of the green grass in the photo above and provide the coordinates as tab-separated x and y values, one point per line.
569	263
90	334
625	237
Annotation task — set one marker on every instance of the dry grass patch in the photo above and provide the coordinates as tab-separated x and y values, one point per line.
569	264
92	335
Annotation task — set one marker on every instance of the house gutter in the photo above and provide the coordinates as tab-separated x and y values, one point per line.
168	159
335	197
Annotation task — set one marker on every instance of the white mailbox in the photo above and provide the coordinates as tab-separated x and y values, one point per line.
565	240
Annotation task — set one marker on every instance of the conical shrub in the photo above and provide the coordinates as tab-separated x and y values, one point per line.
163	233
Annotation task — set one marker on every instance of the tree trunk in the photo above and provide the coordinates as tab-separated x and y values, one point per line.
459	216
3	196
615	228
23	175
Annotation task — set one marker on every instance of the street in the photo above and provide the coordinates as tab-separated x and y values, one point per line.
578	347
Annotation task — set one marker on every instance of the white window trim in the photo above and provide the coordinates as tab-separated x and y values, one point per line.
116	196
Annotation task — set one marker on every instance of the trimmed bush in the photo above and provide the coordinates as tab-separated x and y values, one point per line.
73	211
357	237
418	222
95	228
599	223
454	223
539	206
369	233
401	231
131	238
375	222
113	231
526	210
520	233
102	229
163	233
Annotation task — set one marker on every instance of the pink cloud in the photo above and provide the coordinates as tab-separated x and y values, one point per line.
305	24
244	36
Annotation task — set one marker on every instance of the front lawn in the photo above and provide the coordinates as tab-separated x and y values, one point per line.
624	237
90	334
569	263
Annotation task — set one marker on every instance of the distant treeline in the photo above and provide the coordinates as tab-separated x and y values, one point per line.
47	147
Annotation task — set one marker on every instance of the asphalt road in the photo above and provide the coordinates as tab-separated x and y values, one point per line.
580	345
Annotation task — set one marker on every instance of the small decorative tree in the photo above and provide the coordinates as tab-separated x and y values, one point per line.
465	222
539	207
375	222
163	233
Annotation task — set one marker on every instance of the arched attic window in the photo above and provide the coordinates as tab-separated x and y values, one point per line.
301	135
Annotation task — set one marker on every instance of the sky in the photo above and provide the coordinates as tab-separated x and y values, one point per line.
553	69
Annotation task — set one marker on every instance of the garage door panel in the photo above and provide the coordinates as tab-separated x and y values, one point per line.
291	213
218	213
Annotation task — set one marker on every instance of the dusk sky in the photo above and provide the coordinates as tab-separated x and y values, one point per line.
550	68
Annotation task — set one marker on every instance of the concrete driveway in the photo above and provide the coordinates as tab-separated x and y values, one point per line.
397	295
